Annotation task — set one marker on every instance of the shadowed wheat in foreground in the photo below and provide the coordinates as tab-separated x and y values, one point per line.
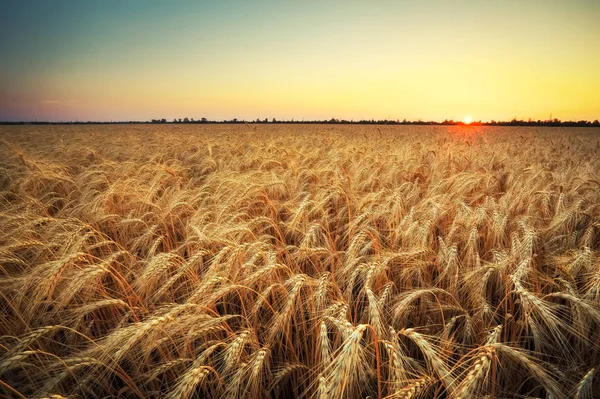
299	261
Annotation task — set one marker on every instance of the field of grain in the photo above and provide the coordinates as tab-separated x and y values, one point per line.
278	261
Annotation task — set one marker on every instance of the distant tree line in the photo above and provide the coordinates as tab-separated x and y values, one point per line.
552	122
513	122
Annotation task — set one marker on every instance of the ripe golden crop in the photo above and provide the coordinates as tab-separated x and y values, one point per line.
311	261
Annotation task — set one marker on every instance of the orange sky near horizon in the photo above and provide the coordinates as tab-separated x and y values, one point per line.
430	60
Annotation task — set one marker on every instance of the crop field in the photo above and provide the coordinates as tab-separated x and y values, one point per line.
314	261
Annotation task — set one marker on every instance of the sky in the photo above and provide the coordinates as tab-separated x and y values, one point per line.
115	60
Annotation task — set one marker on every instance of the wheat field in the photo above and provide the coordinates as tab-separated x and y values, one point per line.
314	261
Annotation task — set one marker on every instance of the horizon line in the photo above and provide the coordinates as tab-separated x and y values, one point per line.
447	122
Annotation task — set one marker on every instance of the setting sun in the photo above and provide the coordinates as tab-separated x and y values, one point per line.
468	119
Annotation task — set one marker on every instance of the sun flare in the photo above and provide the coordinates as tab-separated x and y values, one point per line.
468	119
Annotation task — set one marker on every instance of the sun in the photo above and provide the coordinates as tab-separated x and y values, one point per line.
468	119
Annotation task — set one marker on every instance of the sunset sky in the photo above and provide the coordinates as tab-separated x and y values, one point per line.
431	60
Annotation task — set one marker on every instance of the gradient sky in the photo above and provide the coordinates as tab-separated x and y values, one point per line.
430	60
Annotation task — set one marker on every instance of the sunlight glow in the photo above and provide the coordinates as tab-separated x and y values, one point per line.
468	119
